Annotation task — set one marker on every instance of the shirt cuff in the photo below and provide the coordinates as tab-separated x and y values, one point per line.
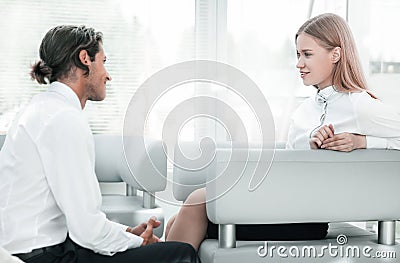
376	142
133	240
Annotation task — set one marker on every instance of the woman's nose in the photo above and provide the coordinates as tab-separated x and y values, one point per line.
300	63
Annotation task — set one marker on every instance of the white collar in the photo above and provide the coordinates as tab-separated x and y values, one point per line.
67	92
327	95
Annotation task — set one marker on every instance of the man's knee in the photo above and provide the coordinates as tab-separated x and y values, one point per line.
186	253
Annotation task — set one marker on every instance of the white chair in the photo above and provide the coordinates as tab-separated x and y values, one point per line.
302	186
147	173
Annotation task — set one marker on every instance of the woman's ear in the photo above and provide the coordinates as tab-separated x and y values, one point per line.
84	57
336	54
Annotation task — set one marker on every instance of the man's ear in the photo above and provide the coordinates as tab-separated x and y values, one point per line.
336	54
84	57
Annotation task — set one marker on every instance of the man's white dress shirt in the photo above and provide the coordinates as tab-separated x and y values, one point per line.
354	112
48	185
5	257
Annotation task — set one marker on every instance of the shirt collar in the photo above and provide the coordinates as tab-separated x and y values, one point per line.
328	91
67	92
328	95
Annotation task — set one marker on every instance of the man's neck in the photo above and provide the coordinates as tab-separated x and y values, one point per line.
77	87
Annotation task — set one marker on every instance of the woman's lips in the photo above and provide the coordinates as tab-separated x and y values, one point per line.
303	74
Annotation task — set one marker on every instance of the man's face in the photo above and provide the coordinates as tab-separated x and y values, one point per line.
98	77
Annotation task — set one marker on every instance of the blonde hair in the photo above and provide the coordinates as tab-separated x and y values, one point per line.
330	31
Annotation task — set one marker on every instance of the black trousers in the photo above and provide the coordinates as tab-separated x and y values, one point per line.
165	252
276	232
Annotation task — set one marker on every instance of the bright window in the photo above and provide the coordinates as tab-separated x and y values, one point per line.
144	36
140	38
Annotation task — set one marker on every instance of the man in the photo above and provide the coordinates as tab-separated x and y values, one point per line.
5	257
49	195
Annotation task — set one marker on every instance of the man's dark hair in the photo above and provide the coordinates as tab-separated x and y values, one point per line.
59	52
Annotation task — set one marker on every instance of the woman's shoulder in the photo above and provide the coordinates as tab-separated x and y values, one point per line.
361	98
363	102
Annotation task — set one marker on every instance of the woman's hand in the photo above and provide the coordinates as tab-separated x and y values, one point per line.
325	138
345	142
322	134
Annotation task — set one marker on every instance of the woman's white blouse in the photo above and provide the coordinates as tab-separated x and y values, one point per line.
355	112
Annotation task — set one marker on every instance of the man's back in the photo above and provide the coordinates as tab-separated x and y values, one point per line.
26	201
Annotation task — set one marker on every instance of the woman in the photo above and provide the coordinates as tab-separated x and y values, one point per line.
343	116
327	59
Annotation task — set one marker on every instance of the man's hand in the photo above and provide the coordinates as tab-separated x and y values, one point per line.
139	229
147	234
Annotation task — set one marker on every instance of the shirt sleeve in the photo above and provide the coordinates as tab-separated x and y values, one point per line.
66	147
382	143
379	122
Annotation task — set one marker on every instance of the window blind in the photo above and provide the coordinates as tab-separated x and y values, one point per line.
140	38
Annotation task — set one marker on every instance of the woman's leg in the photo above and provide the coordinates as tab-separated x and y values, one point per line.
190	224
171	221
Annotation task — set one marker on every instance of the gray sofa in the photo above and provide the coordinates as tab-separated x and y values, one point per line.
301	186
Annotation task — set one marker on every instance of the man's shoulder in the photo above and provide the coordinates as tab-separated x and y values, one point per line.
50	110
52	99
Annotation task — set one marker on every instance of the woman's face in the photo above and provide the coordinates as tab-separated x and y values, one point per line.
314	62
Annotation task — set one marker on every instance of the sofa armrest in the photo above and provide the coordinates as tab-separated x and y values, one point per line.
147	169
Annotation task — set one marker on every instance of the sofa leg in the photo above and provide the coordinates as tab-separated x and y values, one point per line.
130	191
387	232
149	200
227	236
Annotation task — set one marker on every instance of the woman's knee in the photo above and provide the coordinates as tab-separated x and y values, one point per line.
196	197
